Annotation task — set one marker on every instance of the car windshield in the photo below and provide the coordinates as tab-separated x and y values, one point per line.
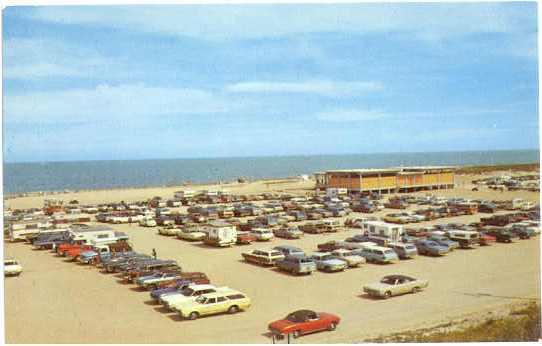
187	291
388	280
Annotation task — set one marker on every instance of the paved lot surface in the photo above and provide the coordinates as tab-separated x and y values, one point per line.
54	301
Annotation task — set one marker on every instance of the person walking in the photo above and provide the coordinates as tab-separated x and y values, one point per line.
154	253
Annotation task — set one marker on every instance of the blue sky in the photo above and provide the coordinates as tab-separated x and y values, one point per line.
135	82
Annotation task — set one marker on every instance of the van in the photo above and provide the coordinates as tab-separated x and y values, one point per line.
404	250
379	254
466	239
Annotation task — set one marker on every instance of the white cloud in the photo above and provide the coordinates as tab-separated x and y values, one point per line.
326	88
251	21
40	58
351	115
103	103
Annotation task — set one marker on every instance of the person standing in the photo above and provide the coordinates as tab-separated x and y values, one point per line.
154	253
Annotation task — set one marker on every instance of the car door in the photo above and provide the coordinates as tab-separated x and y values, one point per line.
208	306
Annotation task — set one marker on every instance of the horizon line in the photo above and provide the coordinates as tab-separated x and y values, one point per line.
270	156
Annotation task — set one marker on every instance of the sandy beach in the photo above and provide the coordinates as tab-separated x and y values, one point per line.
54	301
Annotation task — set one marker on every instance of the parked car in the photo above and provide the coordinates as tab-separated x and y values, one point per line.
430	247
486	239
289	250
328	263
393	285
404	250
191	292
12	267
288	233
214	303
466	239
312	228
351	258
190	234
244	238
501	235
262	234
152	281
263	256
303	322
297	264
168	230
445	241
379	254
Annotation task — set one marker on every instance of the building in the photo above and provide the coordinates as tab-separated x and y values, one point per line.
388	180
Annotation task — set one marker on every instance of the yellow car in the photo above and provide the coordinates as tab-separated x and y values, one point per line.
214	303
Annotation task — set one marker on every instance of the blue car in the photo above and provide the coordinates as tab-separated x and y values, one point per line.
159	293
431	247
442	240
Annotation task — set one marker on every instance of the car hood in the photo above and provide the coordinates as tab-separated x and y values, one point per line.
281	325
378	286
332	262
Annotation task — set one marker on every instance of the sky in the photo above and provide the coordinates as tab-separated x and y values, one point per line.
179	81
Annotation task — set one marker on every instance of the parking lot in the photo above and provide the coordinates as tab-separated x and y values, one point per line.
82	305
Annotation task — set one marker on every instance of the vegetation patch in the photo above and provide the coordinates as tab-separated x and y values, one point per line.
521	324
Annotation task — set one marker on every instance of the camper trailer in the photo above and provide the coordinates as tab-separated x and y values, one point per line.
383	229
221	234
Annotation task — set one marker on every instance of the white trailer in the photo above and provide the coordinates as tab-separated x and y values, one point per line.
221	235
383	229
21	230
95	234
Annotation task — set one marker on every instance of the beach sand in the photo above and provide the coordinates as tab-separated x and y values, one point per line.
58	302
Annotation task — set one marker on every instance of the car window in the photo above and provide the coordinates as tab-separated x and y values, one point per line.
220	299
210	301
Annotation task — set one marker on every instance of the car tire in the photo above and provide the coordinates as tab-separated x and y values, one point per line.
233	309
387	295
193	315
296	334
332	326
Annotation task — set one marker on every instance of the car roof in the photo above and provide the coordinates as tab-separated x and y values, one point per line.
398	276
302	315
201	286
287	247
221	293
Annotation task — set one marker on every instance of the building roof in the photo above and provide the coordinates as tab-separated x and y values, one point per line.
366	170
389	170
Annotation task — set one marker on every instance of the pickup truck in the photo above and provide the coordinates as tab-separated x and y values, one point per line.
297	265
263	257
100	252
74	252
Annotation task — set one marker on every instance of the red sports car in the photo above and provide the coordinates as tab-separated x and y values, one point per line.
304	322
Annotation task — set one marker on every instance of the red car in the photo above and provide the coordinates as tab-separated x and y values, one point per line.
487	239
304	322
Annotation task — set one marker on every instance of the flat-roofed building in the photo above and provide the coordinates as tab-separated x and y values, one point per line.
388	180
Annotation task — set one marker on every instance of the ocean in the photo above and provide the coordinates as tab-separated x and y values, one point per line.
85	175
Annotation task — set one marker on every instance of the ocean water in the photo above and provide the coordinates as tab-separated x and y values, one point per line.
83	175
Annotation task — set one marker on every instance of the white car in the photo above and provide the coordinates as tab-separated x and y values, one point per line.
262	234
188	293
191	234
12	267
147	222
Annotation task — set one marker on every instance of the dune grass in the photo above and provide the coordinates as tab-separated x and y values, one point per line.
522	324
